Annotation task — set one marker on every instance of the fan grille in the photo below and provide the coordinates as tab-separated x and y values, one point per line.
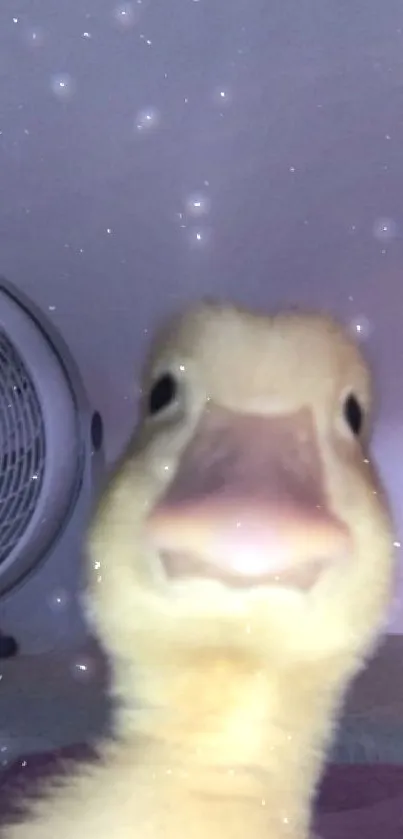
22	447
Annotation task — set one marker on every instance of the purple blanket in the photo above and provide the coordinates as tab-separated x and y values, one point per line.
354	802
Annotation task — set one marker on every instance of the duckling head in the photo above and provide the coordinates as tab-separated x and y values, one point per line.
246	515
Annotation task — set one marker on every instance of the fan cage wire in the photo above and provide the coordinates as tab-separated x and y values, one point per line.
23	447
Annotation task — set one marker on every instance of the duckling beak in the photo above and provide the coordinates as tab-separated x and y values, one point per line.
248	504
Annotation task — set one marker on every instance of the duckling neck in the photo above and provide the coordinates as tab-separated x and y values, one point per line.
228	729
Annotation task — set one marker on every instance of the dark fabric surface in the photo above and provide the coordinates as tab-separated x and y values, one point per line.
354	801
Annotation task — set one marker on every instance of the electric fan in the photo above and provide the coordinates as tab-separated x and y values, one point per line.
51	462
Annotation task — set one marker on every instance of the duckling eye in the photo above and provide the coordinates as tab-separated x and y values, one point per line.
353	414
162	394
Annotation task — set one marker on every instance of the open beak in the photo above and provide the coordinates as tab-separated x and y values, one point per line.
248	504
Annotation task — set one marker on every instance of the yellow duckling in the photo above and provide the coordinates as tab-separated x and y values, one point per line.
241	564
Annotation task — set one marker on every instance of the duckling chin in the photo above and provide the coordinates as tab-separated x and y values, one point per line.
245	552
